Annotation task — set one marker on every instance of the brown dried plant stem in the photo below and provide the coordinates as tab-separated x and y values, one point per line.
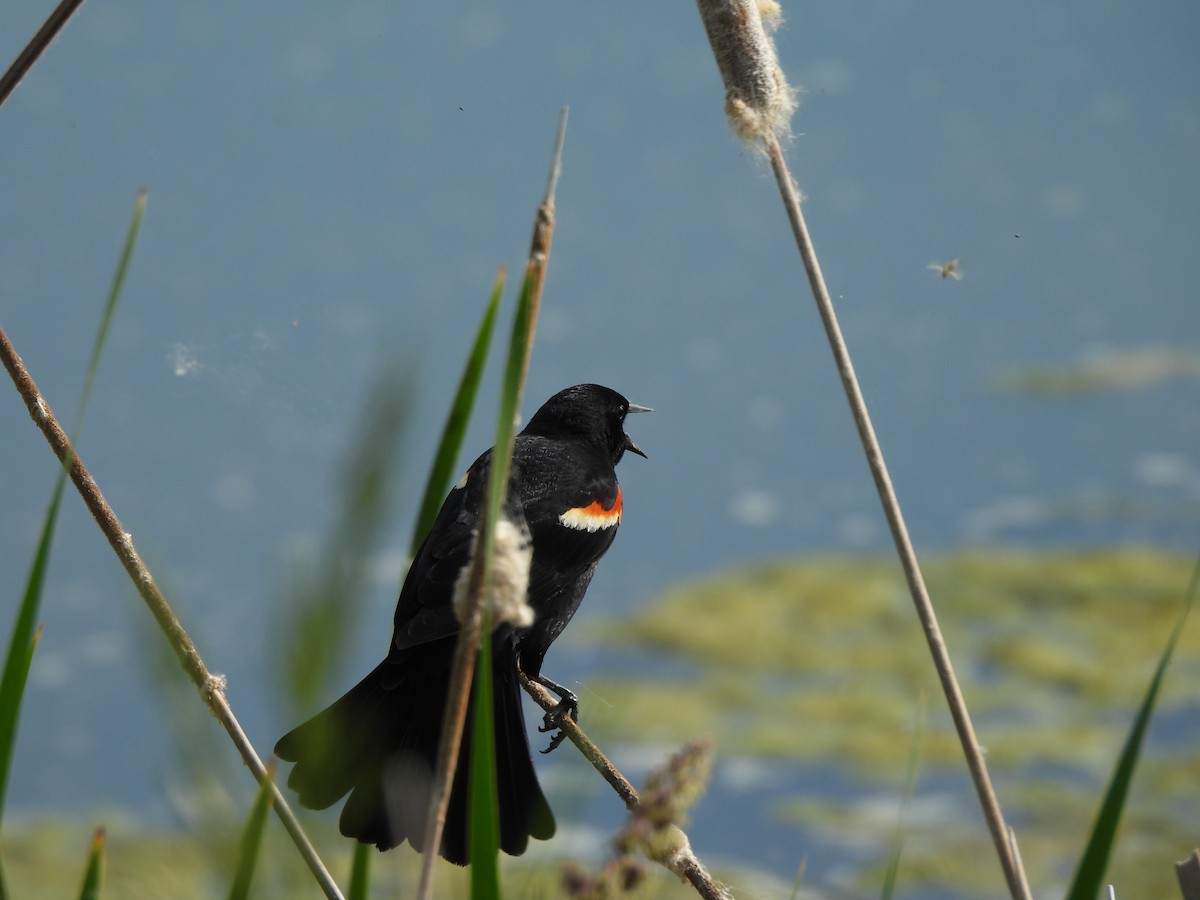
466	649
36	46
1188	873
593	754
458	696
1001	836
211	687
684	864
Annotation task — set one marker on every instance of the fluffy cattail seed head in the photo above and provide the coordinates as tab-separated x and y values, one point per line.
511	558
758	100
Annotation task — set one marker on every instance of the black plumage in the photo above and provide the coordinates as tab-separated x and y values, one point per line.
379	741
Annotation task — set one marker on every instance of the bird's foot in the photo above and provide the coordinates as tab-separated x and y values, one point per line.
567	708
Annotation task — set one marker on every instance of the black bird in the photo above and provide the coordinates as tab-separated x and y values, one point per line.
379	741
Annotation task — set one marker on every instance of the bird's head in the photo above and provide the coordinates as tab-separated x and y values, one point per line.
589	411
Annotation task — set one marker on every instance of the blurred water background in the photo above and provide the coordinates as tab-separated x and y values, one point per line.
332	188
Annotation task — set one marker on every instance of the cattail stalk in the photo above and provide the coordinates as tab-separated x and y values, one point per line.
759	104
37	45
476	584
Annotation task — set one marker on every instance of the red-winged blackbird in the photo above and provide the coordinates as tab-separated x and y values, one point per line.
379	741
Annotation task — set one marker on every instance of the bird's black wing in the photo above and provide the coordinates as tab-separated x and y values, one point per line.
425	610
572	505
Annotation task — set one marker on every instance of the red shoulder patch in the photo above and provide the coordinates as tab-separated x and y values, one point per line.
593	517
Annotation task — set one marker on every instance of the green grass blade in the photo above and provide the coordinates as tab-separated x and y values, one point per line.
438	484
510	401
360	872
21	643
21	648
910	784
436	487
110	306
1089	876
514	380
483	840
484	831
799	879
93	875
252	837
323	599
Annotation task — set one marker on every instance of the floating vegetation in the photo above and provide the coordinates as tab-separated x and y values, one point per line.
1115	370
822	661
45	859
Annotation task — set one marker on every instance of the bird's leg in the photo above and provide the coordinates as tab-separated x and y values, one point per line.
567	708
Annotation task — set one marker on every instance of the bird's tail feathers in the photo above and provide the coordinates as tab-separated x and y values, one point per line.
379	743
335	746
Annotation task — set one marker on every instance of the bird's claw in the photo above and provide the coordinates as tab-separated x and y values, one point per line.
567	708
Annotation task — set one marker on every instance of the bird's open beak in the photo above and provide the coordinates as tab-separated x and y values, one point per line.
629	444
634	448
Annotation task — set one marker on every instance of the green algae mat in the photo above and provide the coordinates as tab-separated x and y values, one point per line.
823	661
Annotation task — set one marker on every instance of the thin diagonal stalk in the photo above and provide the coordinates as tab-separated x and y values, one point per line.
593	754
685	863
895	519
93	875
36	46
892	872
252	835
20	654
455	428
759	104
211	687
1188	873
463	666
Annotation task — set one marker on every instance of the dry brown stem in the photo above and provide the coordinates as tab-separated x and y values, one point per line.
682	860
1188	873
467	646
36	46
745	55
211	686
